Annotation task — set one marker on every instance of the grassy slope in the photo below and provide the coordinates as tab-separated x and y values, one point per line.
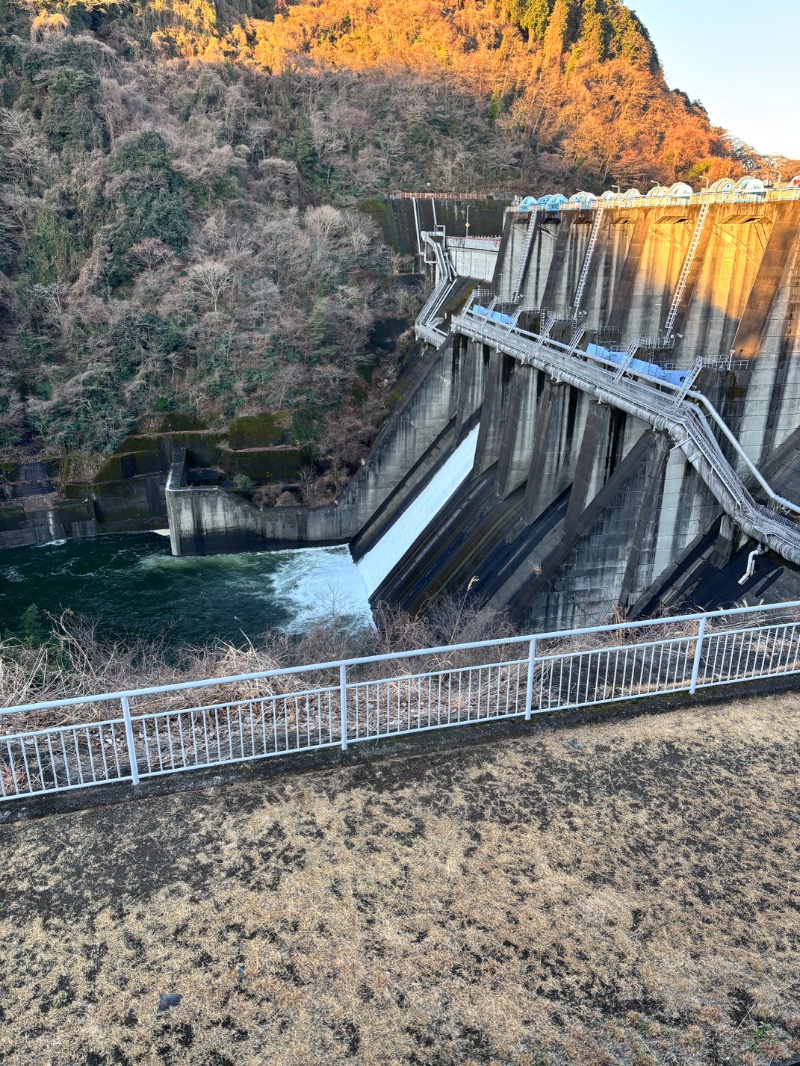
616	893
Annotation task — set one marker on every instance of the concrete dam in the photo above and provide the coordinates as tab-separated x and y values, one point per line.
602	417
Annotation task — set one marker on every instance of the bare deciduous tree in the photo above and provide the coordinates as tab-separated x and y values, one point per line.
212	278
151	253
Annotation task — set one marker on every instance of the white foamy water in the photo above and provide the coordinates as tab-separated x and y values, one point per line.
398	538
316	582
130	582
307	583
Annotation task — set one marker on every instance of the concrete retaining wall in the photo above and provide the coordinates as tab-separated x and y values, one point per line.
205	520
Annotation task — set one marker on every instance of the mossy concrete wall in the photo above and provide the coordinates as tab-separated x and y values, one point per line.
30	512
204	520
41	501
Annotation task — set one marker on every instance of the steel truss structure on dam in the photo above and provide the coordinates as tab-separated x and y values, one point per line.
667	411
666	407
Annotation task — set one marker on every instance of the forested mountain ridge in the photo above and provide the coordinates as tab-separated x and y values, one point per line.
179	181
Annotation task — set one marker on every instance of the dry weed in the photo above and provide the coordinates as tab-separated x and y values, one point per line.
618	893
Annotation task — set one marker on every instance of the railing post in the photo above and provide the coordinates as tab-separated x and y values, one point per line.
343	702
529	687
698	648
126	714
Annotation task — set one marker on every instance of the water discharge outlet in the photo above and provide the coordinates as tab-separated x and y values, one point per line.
378	563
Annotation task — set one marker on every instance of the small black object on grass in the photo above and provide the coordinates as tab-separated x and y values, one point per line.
168	1000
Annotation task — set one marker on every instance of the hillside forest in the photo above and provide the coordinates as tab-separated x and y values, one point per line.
180	191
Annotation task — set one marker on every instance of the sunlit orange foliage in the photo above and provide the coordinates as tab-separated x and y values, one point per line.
590	85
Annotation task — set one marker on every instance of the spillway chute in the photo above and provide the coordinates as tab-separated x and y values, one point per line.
380	560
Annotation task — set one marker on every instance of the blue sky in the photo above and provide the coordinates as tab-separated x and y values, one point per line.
740	58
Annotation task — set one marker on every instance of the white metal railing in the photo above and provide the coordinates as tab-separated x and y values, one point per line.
655	341
478	244
75	743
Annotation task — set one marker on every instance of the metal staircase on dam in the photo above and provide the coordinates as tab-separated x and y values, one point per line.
427	324
627	359
670	412
523	263
683	278
576	339
587	260
547	326
689	379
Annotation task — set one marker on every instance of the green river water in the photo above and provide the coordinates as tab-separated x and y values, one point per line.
131	583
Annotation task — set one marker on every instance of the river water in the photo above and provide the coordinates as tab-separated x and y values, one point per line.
131	583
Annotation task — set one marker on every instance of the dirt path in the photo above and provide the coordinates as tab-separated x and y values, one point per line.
616	893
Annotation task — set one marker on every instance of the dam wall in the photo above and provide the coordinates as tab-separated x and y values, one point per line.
572	514
403	217
38	505
738	305
598	485
474	257
209	519
577	510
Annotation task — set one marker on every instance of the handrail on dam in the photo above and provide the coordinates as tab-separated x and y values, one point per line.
446	277
623	200
681	419
130	736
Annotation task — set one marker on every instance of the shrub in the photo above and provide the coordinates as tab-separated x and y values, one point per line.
69	116
145	151
31	631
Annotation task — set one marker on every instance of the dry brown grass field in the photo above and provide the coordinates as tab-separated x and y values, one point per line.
623	892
